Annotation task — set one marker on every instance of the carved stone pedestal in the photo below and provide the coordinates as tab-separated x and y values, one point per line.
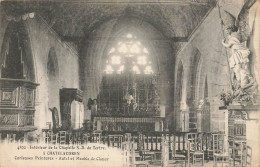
243	126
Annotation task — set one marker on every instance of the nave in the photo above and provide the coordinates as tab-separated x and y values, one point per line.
166	83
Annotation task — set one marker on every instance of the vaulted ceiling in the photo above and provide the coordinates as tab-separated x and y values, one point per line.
161	25
175	19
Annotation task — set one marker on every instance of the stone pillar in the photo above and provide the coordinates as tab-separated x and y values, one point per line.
199	120
226	131
184	108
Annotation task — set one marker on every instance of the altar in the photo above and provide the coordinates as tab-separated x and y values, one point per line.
132	105
129	98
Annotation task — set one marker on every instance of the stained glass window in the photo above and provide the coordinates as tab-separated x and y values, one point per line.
128	55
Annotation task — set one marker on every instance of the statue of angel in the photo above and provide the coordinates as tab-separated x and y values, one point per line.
237	33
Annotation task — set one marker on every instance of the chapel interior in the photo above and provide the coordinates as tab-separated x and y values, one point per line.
150	78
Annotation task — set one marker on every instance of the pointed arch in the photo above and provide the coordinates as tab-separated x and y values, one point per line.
194	74
16	60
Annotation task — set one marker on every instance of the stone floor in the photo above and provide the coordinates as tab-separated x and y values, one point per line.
206	164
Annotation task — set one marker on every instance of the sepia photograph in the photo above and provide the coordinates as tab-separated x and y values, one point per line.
129	83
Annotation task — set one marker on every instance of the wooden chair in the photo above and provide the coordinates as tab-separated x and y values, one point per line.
45	136
78	137
127	137
96	136
180	155
53	137
219	154
223	158
196	155
86	138
70	137
248	156
165	151
239	154
140	156
145	155
195	143
141	163
207	146
128	154
62	137
115	140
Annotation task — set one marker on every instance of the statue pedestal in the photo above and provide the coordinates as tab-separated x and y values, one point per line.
249	112
243	125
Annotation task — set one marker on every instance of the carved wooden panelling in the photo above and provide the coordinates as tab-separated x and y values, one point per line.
9	97
8	119
17	108
22	99
17	97
29	98
25	120
16	119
